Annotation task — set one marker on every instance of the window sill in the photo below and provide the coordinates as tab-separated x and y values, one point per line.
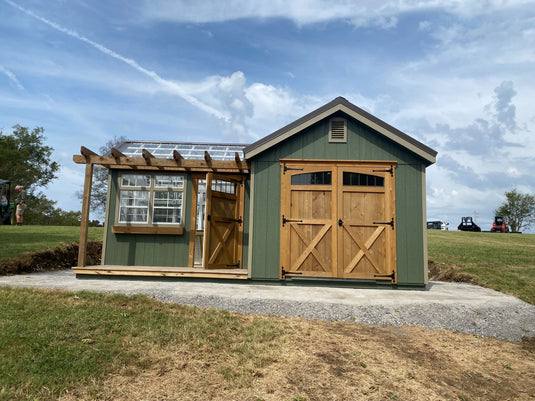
147	230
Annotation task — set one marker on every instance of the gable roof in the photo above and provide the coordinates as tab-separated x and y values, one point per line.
341	104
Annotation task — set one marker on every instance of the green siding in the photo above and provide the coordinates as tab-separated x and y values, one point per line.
154	250
363	144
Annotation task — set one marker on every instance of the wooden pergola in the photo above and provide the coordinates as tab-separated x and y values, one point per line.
119	161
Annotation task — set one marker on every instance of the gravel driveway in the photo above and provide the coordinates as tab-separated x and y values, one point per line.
453	306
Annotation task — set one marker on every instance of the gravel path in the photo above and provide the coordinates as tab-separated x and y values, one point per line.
453	306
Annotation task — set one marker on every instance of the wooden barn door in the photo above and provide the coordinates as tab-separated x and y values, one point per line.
307	220
224	225
338	220
366	225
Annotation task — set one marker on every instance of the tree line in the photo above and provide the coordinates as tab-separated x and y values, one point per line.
26	160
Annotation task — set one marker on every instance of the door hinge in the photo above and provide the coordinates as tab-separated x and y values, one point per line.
390	223
390	170
284	272
290	168
285	220
239	221
237	265
391	276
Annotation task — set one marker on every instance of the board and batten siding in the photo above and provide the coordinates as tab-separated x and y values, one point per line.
362	144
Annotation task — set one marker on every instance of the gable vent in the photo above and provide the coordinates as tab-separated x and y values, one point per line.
338	130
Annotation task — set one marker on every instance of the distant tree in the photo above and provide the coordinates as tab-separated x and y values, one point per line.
25	159
518	209
43	211
99	189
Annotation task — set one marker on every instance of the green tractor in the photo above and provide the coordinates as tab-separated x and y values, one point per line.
6	206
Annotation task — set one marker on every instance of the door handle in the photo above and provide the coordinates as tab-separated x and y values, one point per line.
340	223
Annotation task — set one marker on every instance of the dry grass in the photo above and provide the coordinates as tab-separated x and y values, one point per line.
321	361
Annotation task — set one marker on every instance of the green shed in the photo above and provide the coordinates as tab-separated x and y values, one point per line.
337	196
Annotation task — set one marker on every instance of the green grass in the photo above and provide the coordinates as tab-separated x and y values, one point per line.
52	342
504	262
14	241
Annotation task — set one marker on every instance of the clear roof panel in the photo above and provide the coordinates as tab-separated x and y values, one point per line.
187	150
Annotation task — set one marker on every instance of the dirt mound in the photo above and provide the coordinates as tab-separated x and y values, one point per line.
445	272
62	257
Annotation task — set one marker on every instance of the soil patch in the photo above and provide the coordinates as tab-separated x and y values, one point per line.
445	272
62	257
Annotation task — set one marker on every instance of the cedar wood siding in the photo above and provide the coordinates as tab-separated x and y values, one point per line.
363	143
155	250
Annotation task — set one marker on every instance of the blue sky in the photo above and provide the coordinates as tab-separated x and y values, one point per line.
456	75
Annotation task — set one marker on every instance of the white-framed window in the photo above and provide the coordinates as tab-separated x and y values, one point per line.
151	199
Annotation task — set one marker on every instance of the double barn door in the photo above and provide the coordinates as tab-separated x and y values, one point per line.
338	220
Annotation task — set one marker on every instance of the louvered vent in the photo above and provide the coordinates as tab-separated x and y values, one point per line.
338	131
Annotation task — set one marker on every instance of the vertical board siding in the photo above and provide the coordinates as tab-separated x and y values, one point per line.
363	144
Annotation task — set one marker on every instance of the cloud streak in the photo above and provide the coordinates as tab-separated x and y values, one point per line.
168	85
12	77
381	13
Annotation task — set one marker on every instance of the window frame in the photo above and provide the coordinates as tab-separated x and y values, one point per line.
152	189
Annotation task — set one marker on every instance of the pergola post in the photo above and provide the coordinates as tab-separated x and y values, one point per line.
84	222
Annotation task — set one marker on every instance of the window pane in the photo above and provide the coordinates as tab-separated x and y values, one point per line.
224	186
169	181
366	180
133	206
318	178
135	180
167	207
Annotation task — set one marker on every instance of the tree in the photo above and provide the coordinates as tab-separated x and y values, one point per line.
99	189
518	209
25	159
44	212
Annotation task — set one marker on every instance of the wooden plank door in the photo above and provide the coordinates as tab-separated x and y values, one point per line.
224	226
366	224
307	206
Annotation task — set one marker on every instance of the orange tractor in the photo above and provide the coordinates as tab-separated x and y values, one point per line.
499	225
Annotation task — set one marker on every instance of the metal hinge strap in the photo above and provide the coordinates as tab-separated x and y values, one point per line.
391	276
284	272
290	168
390	170
390	223
285	220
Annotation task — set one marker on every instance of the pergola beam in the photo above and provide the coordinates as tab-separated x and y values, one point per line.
199	165
237	160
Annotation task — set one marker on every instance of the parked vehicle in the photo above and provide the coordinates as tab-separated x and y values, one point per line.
437	225
467	224
5	205
499	225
